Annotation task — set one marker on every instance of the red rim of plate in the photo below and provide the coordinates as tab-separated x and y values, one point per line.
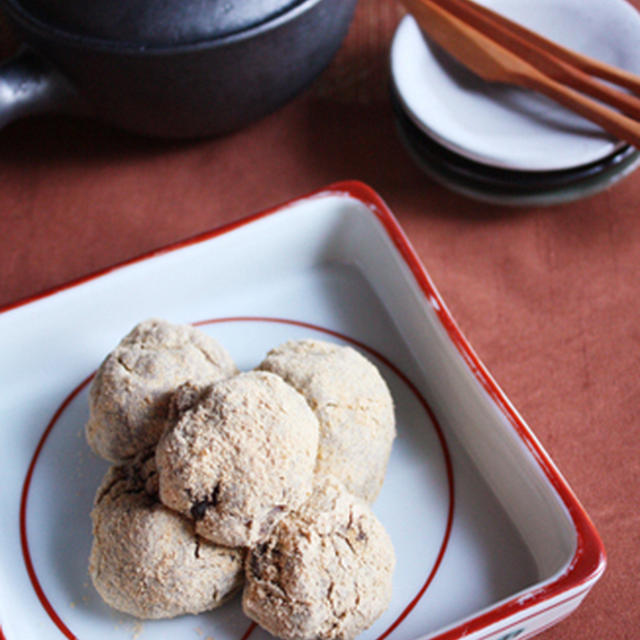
589	559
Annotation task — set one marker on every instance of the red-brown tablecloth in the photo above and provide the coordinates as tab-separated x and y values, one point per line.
549	297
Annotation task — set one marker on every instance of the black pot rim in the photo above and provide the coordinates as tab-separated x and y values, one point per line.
50	32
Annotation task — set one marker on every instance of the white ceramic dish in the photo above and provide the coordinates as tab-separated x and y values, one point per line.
491	542
501	125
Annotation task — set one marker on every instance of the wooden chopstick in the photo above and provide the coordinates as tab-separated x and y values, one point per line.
585	63
494	62
558	62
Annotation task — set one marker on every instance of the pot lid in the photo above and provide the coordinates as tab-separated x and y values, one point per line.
154	22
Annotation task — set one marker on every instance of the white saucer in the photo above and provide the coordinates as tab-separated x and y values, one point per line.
501	186
503	126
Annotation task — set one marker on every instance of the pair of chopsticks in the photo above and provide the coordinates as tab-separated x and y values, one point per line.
499	50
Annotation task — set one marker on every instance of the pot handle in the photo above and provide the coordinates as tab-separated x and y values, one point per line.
29	85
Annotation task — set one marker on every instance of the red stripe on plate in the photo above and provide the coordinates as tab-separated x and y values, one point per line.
23	513
48	607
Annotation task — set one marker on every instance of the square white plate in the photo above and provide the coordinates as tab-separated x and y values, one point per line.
491	542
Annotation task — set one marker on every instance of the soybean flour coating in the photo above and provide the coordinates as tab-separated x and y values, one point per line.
225	478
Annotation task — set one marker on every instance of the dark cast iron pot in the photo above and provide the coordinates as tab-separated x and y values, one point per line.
167	68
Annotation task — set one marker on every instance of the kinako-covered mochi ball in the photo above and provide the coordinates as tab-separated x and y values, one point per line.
147	560
239	456
130	394
352	403
324	573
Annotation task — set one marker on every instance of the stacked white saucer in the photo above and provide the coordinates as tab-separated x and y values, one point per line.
500	143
